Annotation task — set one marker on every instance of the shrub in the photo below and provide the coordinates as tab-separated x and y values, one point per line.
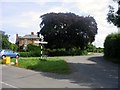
99	50
83	52
112	46
31	47
24	54
30	54
64	52
56	52
91	48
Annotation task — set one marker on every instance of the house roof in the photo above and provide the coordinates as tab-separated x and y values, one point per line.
30	37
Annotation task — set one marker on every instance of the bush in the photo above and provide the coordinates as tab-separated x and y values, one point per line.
83	52
64	52
24	54
31	47
112	46
91	48
30	54
99	50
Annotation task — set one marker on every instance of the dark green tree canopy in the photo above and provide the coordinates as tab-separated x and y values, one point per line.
114	17
67	30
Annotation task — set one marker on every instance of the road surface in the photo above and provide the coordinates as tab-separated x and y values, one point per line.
87	72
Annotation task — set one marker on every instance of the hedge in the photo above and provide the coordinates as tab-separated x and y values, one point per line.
63	52
30	54
54	52
112	46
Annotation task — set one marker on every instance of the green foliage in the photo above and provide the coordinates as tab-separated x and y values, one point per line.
91	48
6	44
55	52
25	54
114	17
64	52
83	52
112	46
30	54
13	47
53	65
99	50
31	47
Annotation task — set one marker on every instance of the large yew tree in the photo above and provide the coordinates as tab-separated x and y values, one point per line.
68	30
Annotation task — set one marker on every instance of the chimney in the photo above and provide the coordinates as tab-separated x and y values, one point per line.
32	33
16	36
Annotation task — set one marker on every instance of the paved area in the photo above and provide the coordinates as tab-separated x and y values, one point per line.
94	71
87	72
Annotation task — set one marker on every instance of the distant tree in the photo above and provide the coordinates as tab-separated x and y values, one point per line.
67	30
5	42
114	17
13	47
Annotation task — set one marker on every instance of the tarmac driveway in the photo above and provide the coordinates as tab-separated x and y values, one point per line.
93	71
87	72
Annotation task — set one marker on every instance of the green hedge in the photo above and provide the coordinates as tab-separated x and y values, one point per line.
31	47
30	54
54	52
112	46
63	52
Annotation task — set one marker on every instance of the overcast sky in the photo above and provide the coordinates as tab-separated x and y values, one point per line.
23	17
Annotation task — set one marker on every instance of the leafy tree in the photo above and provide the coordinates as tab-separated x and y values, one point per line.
114	17
5	42
67	30
13	47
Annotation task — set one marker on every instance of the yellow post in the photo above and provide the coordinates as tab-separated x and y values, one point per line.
6	60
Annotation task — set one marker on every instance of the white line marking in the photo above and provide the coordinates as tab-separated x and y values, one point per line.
9	85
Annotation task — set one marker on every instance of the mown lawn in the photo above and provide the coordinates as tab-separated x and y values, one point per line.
53	65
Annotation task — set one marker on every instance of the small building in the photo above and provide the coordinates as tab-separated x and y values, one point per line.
23	41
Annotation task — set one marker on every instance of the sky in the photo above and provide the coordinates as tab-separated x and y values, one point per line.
23	16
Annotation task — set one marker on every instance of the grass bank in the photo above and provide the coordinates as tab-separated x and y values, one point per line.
53	65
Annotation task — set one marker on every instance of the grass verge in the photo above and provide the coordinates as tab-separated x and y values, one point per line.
53	65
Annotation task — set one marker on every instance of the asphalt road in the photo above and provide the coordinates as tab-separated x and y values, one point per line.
87	72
